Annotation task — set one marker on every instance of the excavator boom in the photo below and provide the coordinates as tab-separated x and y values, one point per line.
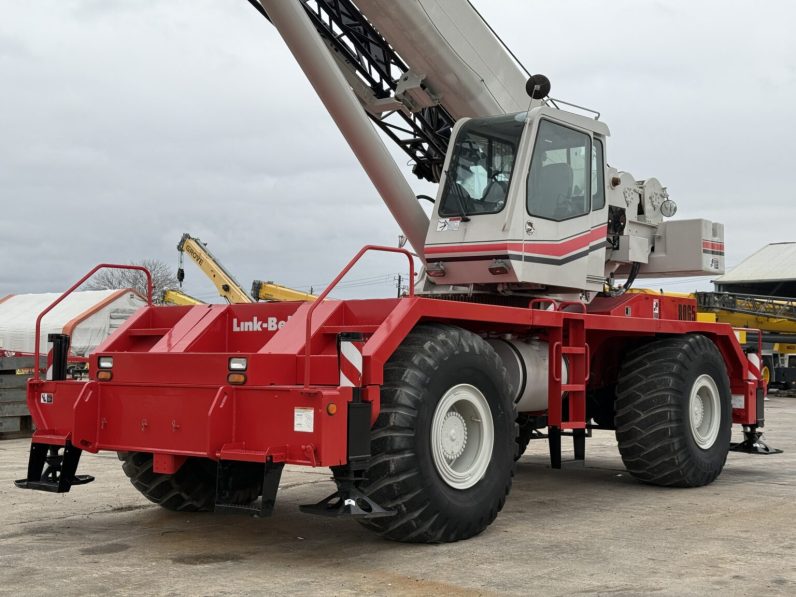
177	297
268	291
224	282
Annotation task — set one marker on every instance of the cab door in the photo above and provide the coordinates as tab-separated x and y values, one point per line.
595	274
559	228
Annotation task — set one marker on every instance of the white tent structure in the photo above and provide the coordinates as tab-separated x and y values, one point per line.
88	317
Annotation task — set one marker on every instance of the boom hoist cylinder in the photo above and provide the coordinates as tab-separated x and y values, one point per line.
331	86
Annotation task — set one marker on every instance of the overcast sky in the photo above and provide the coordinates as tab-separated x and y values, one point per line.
124	123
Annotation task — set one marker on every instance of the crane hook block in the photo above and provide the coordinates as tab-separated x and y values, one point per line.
538	87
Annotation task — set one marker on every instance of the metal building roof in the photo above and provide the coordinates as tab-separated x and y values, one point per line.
773	263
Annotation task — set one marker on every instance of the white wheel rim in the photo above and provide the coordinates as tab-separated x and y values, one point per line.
704	408
462	436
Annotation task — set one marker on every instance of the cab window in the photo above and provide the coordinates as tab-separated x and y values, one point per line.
559	181
597	176
478	179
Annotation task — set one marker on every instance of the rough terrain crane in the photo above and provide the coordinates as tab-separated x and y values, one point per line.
225	283
422	404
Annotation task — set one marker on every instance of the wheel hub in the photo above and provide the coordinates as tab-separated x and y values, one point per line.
462	436
704	408
453	436
698	413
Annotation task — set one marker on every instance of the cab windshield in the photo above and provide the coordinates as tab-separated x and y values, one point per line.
477	181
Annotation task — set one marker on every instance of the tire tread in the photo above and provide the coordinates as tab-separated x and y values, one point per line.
650	414
406	375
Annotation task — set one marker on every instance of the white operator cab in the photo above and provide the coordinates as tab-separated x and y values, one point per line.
522	205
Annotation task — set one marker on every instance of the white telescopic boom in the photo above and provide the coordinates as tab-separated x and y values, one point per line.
462	63
331	86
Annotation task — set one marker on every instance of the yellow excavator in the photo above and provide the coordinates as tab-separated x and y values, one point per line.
225	283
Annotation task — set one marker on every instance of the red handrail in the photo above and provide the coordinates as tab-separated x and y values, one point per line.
334	283
75	286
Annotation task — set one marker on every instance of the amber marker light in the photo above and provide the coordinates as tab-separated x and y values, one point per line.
236	379
104	375
331	408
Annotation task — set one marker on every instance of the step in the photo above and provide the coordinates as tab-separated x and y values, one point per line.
343	329
149	332
573	387
573	350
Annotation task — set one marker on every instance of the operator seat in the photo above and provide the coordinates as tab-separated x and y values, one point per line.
495	195
552	191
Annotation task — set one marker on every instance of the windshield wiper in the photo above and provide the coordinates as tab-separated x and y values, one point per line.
459	200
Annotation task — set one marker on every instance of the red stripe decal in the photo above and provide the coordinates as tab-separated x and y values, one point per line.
553	249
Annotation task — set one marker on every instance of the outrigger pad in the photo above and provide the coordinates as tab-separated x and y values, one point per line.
49	470
347	502
754	444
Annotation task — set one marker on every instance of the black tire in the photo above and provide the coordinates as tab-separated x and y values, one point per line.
401	474
191	489
653	421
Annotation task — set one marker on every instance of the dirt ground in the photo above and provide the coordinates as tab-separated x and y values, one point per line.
585	529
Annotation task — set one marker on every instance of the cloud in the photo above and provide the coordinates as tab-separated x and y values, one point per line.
125	124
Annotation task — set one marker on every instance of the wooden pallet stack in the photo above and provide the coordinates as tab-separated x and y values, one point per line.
14	415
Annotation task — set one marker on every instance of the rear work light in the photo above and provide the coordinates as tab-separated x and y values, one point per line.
498	267
105	362
436	269
238	363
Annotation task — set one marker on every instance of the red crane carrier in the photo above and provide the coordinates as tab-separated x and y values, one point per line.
421	405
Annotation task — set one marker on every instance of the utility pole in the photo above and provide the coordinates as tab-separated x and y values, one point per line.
401	242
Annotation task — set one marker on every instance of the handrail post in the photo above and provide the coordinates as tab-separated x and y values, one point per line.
75	286
334	283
